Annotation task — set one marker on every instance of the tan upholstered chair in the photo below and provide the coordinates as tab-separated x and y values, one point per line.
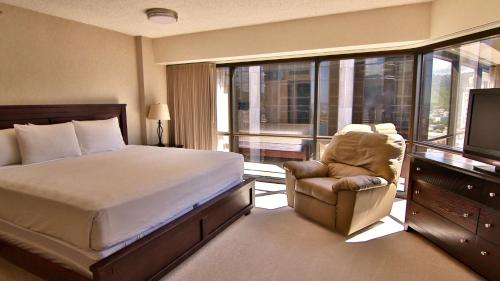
354	184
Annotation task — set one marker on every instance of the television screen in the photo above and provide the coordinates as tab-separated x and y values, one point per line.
485	122
482	137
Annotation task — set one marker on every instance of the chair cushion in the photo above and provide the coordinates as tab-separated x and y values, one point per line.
306	169
357	183
380	154
319	188
339	170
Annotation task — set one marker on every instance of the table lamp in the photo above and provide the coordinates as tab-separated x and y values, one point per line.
159	112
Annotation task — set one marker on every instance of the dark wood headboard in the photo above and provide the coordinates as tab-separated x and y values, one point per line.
60	113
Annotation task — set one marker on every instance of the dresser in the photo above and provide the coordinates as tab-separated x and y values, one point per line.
457	208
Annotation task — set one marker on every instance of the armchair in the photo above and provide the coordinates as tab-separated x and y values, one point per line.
354	184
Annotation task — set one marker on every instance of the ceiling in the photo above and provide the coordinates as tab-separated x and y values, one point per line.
127	16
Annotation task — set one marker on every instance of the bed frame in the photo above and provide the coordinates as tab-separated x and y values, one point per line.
151	257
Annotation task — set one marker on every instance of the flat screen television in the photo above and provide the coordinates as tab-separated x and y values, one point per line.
482	131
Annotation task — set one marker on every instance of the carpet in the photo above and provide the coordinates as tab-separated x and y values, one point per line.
277	244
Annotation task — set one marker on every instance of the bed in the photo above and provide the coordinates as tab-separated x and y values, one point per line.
119	215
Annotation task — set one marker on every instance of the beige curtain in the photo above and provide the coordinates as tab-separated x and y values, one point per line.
191	94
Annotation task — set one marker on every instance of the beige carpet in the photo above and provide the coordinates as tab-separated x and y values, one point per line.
279	245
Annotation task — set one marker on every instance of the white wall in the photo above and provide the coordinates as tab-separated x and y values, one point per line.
50	60
399	27
380	27
454	16
152	88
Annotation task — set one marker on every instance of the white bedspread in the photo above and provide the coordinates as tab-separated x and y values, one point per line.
97	201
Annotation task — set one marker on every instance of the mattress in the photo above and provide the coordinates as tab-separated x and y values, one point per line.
100	201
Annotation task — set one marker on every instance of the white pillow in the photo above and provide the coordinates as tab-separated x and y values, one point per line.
9	152
98	136
46	142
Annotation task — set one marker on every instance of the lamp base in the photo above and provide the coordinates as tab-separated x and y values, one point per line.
160	133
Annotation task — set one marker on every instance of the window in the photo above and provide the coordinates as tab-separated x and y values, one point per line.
448	76
273	114
274	99
275	117
273	105
365	90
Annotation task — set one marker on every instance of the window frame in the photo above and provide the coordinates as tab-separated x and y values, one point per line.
413	144
317	61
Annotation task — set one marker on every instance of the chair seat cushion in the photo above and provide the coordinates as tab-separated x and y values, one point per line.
319	188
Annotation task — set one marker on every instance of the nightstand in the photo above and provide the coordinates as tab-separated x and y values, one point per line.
169	145
175	145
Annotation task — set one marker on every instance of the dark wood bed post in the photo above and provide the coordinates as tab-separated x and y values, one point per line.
123	122
151	257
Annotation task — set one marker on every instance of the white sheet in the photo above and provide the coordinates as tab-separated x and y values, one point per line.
61	252
98	201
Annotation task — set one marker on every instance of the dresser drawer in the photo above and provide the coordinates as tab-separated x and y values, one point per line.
453	238
460	183
489	225
491	196
486	259
447	204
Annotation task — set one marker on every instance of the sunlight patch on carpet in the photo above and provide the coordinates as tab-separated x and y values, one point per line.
386	227
267	186
271	202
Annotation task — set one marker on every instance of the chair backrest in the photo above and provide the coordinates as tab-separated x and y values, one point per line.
382	128
356	151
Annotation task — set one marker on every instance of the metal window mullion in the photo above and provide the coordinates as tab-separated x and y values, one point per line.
315	107
231	110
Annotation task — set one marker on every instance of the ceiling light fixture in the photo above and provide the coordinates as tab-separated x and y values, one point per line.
161	15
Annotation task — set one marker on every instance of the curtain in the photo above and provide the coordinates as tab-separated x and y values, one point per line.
191	90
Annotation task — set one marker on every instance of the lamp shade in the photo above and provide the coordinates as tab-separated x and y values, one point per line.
159	112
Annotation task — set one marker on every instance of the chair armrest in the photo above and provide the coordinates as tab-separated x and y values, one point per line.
358	183
306	169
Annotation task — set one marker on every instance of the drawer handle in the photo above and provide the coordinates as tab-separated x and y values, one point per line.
418	169
470	187
463	240
466	215
488	225
492	194
414	212
484	253
417	191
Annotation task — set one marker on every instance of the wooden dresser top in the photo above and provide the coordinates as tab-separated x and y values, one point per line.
455	162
